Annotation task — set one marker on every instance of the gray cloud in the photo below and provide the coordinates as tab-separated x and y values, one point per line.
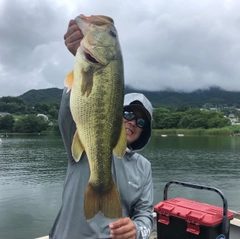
183	45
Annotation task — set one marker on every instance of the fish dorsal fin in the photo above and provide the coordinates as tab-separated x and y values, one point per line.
68	82
77	147
120	149
87	82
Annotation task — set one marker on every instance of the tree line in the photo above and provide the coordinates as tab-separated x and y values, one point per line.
188	118
22	117
17	106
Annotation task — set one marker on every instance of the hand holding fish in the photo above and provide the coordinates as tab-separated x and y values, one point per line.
72	37
123	228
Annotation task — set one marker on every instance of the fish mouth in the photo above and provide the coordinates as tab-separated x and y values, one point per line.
88	56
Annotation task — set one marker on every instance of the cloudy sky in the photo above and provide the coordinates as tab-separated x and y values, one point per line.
182	45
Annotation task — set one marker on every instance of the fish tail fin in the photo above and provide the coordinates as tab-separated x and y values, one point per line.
111	206
120	148
68	82
108	202
77	147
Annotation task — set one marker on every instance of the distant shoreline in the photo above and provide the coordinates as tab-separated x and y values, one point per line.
226	131
4	134
233	130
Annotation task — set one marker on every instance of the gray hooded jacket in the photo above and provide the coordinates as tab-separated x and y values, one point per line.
132	175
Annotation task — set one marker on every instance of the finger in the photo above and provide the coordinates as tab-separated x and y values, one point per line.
117	223
75	36
73	42
71	22
72	47
123	228
73	27
122	233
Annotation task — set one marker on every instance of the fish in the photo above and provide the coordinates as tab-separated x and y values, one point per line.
96	87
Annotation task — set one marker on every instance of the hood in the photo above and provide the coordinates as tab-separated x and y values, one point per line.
141	102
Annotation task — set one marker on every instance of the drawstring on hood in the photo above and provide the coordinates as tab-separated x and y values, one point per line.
139	101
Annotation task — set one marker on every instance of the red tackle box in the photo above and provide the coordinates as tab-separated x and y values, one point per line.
180	218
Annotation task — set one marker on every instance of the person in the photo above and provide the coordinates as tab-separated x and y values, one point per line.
132	173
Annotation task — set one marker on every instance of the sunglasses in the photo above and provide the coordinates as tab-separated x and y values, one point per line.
141	123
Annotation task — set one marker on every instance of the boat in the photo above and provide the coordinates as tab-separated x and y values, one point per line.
180	135
234	227
168	210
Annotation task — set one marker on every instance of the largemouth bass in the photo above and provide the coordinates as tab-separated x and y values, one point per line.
96	104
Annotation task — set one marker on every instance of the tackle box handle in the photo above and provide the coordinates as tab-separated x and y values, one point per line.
225	222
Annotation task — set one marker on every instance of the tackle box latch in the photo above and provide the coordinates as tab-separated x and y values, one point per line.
193	222
164	214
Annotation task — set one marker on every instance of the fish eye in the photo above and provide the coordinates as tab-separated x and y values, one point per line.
113	34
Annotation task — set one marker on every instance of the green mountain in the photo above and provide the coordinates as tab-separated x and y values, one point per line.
50	95
213	97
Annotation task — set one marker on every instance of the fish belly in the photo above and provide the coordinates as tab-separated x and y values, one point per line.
99	123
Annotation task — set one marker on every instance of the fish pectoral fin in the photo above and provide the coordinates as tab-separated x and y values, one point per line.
87	82
68	82
120	148
77	147
108	203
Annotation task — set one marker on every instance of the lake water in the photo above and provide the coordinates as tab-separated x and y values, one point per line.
32	170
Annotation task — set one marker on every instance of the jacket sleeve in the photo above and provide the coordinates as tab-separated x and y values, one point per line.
143	209
66	124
